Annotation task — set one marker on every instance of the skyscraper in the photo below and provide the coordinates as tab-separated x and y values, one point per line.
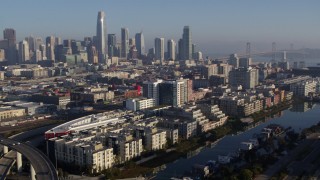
101	36
171	49
193	52
92	54
124	42
58	41
140	44
234	60
112	43
151	90
181	51
31	43
43	49
23	51
245	62
37	43
10	48
187	43
132	42
159	49
50	42
10	35
172	93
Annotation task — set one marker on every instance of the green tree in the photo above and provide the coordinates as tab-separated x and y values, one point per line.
246	174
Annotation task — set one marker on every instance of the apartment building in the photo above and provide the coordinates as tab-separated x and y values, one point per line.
84	153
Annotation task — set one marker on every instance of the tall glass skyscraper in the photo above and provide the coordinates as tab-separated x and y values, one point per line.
140	44
187	43
10	35
124	42
159	49
50	42
171	49
112	43
101	36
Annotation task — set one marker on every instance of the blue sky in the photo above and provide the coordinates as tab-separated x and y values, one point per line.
222	26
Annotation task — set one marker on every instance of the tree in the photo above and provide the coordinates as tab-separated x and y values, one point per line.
246	174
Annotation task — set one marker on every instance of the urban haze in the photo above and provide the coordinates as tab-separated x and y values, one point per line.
177	90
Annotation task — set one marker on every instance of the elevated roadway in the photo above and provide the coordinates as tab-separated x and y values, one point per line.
6	162
42	166
36	137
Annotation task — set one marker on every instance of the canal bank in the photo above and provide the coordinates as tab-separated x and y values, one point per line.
298	120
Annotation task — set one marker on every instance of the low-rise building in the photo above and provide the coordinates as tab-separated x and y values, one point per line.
137	104
7	112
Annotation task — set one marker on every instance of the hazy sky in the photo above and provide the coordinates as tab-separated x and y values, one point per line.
222	26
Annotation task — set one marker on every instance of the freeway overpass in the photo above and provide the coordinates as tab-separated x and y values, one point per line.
41	166
12	156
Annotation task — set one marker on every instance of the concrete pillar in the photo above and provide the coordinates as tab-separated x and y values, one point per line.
5	149
19	162
32	173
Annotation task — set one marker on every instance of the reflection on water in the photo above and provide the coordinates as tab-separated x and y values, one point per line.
288	118
302	107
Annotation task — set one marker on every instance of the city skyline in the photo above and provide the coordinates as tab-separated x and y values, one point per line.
225	27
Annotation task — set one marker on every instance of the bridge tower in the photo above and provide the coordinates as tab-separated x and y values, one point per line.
248	51
274	51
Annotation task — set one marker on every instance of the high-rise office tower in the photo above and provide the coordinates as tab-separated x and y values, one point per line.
23	51
172	93
198	56
112	43
31	42
151	53
50	42
37	55
193	51
151	90
92	55
67	43
171	49
245	62
11	53
132	42
43	49
101	36
37	43
140	44
234	60
76	47
159	49
180	49
58	41
10	35
124	42
86	41
187	43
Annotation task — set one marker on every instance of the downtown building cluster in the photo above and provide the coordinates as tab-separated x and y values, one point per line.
102	49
